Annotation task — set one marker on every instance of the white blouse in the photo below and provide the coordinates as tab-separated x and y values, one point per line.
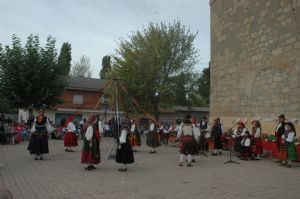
89	133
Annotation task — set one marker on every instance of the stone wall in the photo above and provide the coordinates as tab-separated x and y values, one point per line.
255	60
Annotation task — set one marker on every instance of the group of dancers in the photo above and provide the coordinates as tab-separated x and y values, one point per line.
192	137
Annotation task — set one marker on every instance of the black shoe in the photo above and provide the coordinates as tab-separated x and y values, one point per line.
122	169
93	167
193	160
88	168
36	158
67	150
71	150
41	158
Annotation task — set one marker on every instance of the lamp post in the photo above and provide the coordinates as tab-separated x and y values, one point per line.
156	108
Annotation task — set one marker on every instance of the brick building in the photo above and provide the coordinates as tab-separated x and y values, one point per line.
255	61
80	97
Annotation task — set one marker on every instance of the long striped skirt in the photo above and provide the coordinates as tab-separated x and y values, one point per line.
256	146
282	152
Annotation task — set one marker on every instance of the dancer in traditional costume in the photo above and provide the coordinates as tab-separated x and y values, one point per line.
246	146
161	132
256	142
288	140
38	144
91	151
70	139
135	137
153	139
238	135
124	153
166	134
173	129
280	130
187	140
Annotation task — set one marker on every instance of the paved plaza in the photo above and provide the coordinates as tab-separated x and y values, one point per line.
155	176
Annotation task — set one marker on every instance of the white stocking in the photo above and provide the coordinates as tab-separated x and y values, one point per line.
181	158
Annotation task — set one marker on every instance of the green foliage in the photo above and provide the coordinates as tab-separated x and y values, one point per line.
64	58
160	59
82	68
271	138
106	67
204	84
31	76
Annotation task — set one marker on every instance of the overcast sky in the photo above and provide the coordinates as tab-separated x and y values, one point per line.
94	27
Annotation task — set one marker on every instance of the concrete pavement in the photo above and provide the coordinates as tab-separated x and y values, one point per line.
155	176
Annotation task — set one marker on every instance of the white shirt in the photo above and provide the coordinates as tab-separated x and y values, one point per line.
106	126
89	133
246	142
196	131
188	130
71	127
123	136
100	127
132	128
152	127
257	133
290	137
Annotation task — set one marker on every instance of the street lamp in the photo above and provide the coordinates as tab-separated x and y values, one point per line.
156	105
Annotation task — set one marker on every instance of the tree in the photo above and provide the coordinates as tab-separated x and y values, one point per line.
64	58
152	59
204	85
30	76
82	68
106	67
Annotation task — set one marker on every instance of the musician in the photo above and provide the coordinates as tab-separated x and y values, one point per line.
160	131
186	134
153	137
288	140
38	144
166	134
124	153
256	141
237	134
280	130
173	130
216	135
245	145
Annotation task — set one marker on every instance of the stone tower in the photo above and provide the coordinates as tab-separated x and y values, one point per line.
255	61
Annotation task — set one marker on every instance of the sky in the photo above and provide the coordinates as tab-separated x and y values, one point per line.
94	27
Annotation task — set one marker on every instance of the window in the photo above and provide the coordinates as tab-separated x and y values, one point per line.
77	99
